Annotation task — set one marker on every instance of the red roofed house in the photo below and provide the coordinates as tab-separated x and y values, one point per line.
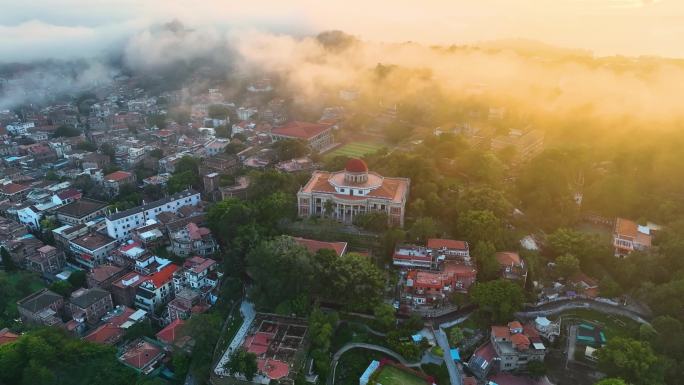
449	248
193	240
143	355
585	284
114	328
173	336
114	181
157	290
197	272
6	336
354	191
426	287
14	191
509	348
629	236
318	136
313	246
512	266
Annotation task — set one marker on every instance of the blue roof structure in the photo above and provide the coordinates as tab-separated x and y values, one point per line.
417	337
455	355
369	371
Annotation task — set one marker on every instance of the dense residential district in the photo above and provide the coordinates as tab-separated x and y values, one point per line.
222	234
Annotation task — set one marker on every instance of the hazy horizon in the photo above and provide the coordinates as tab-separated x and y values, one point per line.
67	29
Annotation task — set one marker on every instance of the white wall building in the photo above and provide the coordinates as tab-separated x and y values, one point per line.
18	128
121	224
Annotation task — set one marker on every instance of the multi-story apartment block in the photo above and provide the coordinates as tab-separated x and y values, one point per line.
121	224
92	249
157	290
81	211
197	272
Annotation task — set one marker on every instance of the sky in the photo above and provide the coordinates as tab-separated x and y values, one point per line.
64	29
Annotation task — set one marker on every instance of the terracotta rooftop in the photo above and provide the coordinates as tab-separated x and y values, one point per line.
394	189
300	130
356	165
313	245
626	228
6	336
508	258
163	276
118	176
13	188
438	243
141	354
172	331
501	332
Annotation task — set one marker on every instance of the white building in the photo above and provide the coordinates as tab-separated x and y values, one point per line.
244	113
18	128
121	224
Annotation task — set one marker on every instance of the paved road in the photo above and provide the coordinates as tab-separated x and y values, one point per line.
559	307
455	375
572	339
361	345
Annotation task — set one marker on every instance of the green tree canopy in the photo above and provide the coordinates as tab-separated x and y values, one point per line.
480	226
290	149
634	361
500	299
567	266
244	363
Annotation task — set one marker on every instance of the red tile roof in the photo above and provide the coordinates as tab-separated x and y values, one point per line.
172	331
508	258
106	334
141	354
198	264
501	331
313	245
6	336
163	276
69	194
438	243
626	228
13	188
273	369
300	130
356	165
118	176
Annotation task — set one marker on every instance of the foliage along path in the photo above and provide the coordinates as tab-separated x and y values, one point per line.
361	345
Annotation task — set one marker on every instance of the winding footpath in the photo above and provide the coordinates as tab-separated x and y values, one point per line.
560	307
455	375
361	345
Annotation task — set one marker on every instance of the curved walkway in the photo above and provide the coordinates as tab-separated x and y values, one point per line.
555	308
361	345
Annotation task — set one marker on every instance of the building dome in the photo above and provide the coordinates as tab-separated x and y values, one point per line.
356	165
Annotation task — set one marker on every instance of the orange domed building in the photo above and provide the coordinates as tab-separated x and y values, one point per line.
352	192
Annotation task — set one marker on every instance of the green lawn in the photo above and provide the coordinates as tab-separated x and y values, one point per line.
389	375
355	150
613	326
13	287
